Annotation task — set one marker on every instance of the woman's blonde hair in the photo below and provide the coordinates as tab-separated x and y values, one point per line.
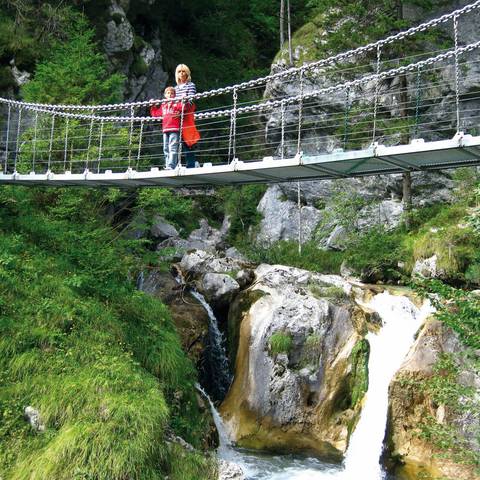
182	66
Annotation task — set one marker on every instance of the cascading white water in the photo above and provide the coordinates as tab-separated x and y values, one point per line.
401	319
388	348
216	349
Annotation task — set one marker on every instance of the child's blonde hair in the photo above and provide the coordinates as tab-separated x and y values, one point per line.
168	89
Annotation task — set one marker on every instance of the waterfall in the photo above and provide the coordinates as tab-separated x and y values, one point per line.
217	357
388	348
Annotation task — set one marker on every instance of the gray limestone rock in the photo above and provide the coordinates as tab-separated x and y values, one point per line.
387	213
218	288
120	33
161	229
298	385
281	218
427	268
199	262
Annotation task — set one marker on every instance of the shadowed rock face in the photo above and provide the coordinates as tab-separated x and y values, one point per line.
300	398
410	405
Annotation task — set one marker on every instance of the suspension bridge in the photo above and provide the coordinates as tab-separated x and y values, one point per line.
367	111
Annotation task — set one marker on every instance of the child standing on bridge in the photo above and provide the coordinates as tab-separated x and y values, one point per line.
171	113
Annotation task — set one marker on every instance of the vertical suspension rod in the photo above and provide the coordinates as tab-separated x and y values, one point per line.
7	138
17	146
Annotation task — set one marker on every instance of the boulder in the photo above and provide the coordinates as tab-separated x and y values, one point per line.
198	262
161	229
427	268
305	399
218	288
32	415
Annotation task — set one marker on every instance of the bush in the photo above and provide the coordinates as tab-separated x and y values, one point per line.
375	254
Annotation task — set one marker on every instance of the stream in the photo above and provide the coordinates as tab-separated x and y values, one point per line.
388	348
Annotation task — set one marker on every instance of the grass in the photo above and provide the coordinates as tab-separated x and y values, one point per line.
280	342
286	253
101	361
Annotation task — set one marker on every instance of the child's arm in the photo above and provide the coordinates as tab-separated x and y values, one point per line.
156	110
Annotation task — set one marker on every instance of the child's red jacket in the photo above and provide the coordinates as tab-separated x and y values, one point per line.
170	111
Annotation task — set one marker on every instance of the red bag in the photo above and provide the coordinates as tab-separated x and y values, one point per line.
190	134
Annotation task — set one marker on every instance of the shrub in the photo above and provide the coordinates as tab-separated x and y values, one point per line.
376	254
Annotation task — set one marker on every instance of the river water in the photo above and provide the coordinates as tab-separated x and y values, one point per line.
388	348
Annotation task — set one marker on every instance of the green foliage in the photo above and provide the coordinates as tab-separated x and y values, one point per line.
376	254
459	309
241	51
73	71
280	342
444	389
100	361
344	206
241	204
286	253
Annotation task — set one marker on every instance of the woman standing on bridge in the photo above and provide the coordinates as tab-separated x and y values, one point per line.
190	135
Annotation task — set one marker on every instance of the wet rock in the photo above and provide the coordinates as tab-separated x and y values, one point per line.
245	277
229	471
303	402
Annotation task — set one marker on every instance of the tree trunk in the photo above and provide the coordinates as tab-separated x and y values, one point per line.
282	23
289	23
405	137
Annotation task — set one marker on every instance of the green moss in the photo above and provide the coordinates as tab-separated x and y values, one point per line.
139	66
280	342
327	291
358	378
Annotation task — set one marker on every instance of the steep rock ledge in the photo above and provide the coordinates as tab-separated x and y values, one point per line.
410	404
305	395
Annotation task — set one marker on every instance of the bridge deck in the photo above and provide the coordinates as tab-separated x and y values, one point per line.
462	150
